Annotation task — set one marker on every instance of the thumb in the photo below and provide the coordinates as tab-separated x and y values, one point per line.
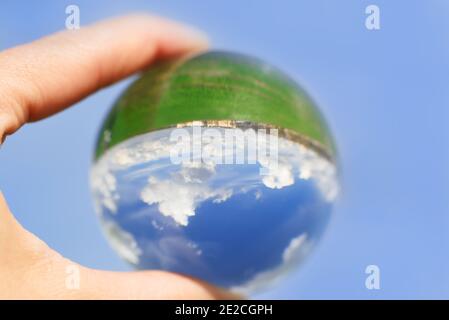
4	209
147	285
32	270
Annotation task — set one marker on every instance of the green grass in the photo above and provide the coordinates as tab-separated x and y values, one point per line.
213	86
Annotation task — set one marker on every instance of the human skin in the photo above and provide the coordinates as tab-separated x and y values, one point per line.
44	77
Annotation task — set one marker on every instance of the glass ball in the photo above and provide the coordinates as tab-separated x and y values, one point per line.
216	166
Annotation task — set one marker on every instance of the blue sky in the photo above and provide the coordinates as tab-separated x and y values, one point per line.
383	93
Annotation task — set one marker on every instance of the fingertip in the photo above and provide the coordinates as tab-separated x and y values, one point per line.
173	37
183	30
198	38
3	126
223	294
153	285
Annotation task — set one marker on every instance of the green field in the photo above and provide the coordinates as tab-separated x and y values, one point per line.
213	86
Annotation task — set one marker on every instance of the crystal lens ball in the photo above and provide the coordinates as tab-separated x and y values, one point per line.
216	166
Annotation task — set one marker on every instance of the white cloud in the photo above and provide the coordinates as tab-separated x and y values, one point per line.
295	159
134	151
293	254
321	171
173	252
104	187
279	176
179	196
156	225
123	242
292	250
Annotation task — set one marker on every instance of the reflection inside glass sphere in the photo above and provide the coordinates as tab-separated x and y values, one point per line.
239	225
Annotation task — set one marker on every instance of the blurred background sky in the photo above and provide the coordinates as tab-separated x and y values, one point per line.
384	94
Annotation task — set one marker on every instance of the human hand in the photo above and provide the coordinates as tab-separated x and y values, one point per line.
46	76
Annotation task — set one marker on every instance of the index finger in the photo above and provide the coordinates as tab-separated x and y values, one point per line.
45	76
